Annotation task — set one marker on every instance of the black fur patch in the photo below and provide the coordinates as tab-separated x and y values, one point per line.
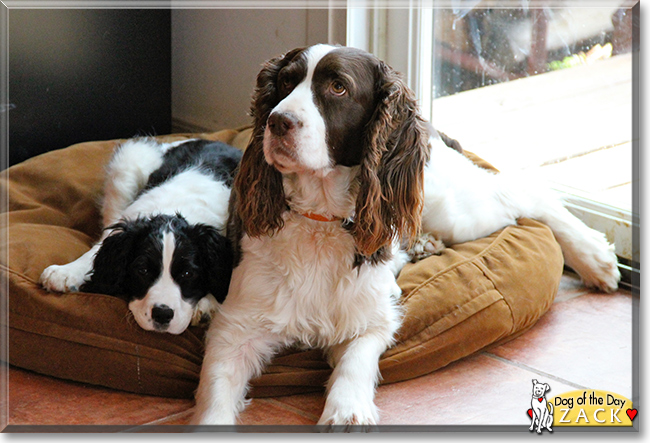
218	159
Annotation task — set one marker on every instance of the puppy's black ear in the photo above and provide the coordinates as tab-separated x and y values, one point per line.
110	264
215	259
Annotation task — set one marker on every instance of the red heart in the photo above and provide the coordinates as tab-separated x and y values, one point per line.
540	399
631	413
530	413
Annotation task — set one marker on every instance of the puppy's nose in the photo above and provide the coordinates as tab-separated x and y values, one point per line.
162	314
280	123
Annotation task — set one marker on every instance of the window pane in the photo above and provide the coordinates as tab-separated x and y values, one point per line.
547	91
480	47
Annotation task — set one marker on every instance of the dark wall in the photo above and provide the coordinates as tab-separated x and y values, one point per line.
83	75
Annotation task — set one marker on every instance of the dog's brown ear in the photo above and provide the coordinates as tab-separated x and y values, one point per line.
390	199
257	199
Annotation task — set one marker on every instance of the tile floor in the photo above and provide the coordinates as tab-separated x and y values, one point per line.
583	342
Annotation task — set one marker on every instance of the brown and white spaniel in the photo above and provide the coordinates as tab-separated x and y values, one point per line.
341	170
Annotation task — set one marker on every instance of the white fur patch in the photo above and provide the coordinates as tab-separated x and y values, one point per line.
208	203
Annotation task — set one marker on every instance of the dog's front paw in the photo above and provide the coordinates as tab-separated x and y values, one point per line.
205	310
205	418
352	414
425	246
215	414
65	278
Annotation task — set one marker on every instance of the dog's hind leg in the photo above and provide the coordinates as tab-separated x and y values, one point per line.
127	174
549	418
585	250
464	202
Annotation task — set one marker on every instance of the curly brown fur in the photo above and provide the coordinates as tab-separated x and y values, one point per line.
389	202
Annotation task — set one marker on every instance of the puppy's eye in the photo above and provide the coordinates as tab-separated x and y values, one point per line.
188	274
338	88
140	266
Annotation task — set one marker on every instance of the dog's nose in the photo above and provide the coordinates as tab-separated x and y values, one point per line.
162	314
280	123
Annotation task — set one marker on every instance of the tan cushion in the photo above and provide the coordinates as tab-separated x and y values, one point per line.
472	296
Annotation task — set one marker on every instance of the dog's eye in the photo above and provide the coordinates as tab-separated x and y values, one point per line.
143	271
337	88
286	84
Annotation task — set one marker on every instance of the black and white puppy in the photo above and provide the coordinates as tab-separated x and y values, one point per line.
339	171
163	247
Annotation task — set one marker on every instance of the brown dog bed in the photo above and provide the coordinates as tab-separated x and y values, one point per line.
472	296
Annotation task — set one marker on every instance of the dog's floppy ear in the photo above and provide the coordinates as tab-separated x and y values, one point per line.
110	264
215	259
390	198
534	382
257	200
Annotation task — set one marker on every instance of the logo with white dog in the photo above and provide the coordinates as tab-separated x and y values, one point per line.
541	411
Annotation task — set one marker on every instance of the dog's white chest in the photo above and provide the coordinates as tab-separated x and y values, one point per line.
304	284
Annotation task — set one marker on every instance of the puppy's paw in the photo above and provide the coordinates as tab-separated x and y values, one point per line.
425	246
63	278
205	309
